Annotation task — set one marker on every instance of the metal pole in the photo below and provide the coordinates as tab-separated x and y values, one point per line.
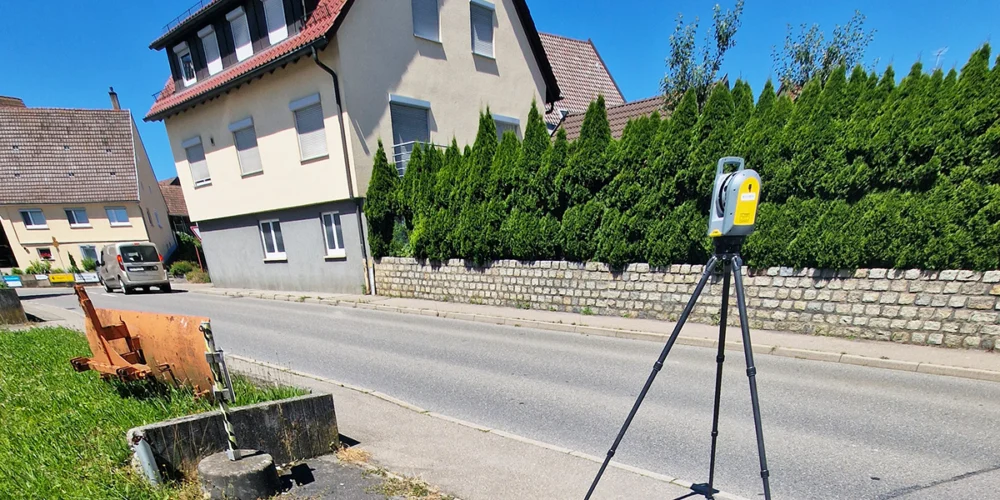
751	374
222	388
656	369
720	358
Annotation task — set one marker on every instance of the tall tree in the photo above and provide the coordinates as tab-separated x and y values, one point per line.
685	71
713	138
380	204
586	172
809	55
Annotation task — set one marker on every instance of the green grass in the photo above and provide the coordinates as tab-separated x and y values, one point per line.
62	433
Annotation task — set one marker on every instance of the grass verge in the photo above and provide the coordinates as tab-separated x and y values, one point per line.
62	433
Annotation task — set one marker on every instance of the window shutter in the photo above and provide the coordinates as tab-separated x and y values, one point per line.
482	30
246	149
274	14
409	124
241	37
312	136
211	45
425	19
199	167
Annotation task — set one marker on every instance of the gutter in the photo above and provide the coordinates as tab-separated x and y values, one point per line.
369	276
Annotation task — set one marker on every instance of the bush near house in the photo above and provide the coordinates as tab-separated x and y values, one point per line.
197	276
16	271
182	267
858	171
38	267
89	265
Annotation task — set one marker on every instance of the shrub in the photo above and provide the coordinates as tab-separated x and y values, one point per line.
579	225
16	271
57	270
380	204
89	265
38	267
182	267
197	276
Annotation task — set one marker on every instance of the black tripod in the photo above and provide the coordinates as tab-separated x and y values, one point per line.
727	250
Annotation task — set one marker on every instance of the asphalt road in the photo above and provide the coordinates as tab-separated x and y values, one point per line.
831	430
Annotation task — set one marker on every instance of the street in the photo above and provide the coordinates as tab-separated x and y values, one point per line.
831	430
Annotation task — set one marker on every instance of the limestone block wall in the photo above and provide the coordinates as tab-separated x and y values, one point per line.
953	308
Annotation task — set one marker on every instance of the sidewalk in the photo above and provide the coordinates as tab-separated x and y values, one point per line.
963	363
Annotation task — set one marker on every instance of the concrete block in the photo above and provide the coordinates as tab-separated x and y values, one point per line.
289	429
253	476
11	312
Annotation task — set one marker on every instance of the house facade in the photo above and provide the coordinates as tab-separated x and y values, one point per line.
274	110
72	181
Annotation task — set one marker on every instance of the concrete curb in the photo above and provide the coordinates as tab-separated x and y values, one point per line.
504	434
788	352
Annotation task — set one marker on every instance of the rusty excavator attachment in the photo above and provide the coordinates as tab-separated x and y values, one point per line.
132	345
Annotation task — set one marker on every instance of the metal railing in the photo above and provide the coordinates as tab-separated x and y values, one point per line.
186	14
401	153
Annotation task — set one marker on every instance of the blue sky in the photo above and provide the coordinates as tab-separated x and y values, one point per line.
63	53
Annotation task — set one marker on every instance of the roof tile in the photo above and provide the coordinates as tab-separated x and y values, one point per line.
618	116
581	73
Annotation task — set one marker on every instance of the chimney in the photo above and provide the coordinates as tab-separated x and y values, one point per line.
114	98
11	102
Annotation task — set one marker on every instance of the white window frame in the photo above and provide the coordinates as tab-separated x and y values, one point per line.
507	120
74	220
156	213
334	249
190	143
242	51
239	126
93	248
30	211
303	104
181	50
278	32
210	40
276	255
482	4
109	210
426	33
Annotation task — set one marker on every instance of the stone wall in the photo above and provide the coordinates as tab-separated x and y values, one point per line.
951	308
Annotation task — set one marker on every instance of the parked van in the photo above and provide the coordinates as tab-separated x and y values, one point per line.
130	266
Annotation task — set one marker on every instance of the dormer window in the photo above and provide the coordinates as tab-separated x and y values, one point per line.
241	33
186	64
274	14
210	43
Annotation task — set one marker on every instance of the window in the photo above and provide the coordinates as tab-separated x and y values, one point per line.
186	64
156	214
410	126
333	235
241	33
33	219
309	125
118	216
77	217
136	253
425	19
210	44
45	253
482	28
196	160
88	252
507	123
274	245
274	15
245	138
149	217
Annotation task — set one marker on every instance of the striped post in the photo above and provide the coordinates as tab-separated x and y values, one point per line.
222	388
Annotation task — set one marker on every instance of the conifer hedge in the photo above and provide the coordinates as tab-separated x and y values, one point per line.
858	172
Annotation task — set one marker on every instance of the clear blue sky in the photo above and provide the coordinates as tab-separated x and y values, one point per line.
63	53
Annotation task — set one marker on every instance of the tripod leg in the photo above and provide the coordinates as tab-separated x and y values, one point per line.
720	358
751	374
656	369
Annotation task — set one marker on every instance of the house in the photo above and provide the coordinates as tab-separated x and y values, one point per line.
582	76
274	110
618	116
73	180
177	210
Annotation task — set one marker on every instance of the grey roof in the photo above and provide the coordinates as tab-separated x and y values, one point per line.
52	155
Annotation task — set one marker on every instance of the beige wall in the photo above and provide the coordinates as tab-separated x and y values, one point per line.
151	199
378	55
25	242
375	54
286	181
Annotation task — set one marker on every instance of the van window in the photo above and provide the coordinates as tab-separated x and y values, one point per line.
139	253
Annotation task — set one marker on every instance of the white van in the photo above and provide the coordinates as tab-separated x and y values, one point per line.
130	266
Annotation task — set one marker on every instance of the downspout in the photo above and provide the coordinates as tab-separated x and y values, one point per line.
369	274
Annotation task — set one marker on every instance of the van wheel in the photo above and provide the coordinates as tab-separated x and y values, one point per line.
127	290
107	287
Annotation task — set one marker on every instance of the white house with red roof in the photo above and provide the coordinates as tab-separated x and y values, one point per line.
274	110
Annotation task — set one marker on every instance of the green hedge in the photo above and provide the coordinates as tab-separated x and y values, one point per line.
858	171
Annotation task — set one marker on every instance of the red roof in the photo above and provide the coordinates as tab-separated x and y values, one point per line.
174	196
581	73
318	24
618	116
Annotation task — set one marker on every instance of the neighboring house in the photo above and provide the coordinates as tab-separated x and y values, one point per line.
176	208
73	180
274	109
618	116
582	76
